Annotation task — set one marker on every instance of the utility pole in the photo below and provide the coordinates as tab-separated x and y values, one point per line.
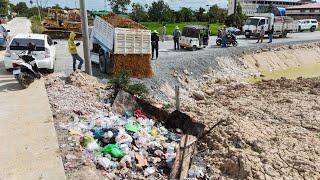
38	9
235	13
85	36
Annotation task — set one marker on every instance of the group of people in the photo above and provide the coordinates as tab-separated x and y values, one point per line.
262	33
155	40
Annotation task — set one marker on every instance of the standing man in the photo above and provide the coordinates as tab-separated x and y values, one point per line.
73	51
163	32
224	34
176	38
155	43
261	36
270	34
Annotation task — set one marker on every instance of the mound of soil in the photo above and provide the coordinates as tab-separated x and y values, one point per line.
122	22
271	129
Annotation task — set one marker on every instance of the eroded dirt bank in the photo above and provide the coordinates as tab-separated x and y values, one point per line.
272	129
281	58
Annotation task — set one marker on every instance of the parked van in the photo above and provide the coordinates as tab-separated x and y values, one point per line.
307	24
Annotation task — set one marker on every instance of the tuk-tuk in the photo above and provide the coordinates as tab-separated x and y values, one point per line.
3	19
194	37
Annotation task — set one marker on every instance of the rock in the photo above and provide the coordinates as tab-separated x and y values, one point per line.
70	157
290	46
210	92
199	95
186	72
205	77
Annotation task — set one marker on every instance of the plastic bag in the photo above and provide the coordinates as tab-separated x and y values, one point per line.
106	163
114	150
93	146
123	138
132	127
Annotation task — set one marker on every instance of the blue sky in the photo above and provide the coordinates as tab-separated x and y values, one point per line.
99	4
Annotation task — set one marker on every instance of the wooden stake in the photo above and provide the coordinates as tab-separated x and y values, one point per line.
177	97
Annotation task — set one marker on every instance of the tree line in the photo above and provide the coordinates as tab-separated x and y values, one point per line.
160	11
157	11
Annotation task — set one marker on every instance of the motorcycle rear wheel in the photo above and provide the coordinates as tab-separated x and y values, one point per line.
218	42
24	81
235	44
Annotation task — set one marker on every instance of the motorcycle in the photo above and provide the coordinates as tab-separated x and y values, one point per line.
26	70
231	39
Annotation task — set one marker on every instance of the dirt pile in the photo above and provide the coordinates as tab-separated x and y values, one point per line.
272	129
122	22
79	93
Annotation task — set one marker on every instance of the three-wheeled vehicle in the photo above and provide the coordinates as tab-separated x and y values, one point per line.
194	37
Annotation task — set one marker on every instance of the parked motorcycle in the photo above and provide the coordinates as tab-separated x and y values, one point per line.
231	39
26	70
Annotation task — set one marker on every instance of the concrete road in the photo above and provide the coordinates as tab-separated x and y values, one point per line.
29	146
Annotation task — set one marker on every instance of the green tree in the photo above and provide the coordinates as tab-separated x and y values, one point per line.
21	8
4	6
217	14
185	15
269	9
57	6
138	12
160	11
200	15
237	19
119	6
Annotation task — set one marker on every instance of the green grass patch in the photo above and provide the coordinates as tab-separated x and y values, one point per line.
171	26
36	25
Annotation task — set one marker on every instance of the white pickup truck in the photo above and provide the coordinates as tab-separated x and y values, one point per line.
282	25
107	40
307	24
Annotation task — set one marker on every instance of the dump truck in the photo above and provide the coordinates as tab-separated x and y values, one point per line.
282	25
120	44
60	23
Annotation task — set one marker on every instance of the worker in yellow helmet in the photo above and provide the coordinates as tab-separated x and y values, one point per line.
73	51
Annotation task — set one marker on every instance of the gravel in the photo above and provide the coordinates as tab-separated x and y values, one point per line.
171	64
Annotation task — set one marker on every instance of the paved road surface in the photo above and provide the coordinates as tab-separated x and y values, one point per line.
64	60
29	147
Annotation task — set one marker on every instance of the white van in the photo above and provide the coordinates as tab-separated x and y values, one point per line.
308	24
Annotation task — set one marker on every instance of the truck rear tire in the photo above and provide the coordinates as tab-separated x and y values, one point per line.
247	36
312	29
194	48
102	63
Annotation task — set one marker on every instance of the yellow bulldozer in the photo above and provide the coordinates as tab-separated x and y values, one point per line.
60	23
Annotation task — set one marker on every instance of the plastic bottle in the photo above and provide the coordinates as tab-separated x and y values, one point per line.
149	171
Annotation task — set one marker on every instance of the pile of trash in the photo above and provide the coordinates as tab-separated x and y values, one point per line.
127	146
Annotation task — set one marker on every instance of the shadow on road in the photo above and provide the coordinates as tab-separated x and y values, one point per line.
7	81
14	86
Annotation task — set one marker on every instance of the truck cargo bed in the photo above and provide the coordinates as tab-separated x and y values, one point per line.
121	40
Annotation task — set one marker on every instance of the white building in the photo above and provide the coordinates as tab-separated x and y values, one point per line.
250	7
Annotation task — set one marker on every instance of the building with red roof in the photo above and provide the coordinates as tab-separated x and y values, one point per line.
305	11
